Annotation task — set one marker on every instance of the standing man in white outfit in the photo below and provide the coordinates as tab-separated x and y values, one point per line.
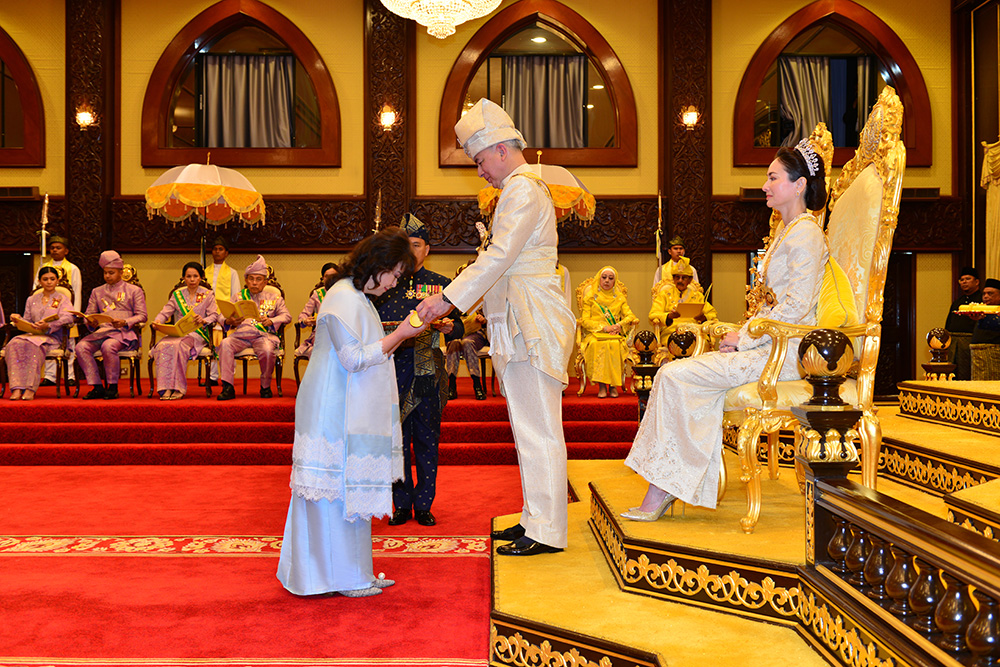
226	285
529	324
58	249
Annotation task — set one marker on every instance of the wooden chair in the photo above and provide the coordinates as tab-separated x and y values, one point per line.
299	326
274	289
864	205
203	358
132	357
580	363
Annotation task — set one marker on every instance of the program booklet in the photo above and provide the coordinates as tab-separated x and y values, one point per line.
29	327
245	308
178	329
99	318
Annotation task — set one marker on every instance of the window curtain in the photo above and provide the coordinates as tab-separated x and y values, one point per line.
805	94
991	181
544	96
248	100
866	93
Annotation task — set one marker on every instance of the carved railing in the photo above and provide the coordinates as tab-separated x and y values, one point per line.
926	588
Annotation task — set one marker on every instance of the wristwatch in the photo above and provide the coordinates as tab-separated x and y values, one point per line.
446	299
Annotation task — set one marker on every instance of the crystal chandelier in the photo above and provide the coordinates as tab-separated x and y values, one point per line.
441	16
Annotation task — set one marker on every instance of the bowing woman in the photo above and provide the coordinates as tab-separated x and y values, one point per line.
26	353
678	448
348	446
172	353
605	318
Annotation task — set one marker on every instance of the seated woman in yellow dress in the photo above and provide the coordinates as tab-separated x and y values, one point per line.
683	290
605	318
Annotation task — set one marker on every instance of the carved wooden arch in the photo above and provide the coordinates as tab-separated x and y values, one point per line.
878	38
33	152
581	33
204	29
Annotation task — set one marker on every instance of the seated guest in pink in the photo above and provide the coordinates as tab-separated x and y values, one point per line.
172	353
126	305
259	334
308	315
26	352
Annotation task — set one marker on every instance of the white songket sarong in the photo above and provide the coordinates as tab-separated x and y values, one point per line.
347	450
679	443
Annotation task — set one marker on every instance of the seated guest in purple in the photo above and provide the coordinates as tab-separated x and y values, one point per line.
126	305
26	352
172	353
259	334
308	315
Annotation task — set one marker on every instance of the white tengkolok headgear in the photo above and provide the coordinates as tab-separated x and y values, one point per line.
808	154
485	125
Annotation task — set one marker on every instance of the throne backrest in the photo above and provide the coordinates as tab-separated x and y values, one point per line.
586	288
864	205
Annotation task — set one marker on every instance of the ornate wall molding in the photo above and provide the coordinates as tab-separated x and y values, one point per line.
621	224
299	224
686	169
930	225
20	222
90	76
390	158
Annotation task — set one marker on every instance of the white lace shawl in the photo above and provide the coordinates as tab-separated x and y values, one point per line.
348	443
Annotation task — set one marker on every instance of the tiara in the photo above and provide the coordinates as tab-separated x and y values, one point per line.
809	155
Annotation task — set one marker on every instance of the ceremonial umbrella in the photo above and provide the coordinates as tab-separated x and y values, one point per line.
215	194
570	197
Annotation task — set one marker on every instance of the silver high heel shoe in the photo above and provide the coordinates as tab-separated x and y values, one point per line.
636	514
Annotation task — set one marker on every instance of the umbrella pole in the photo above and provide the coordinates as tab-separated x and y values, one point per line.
204	236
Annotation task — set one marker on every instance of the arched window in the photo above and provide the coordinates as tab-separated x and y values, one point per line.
874	56
177	125
590	119
22	118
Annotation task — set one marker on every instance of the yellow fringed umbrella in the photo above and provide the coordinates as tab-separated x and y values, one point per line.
570	197
215	194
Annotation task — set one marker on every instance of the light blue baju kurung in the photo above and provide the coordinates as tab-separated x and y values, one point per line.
347	451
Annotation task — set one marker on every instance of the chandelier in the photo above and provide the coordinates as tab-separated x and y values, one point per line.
441	16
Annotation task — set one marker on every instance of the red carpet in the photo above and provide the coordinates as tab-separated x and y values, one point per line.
166	563
253	431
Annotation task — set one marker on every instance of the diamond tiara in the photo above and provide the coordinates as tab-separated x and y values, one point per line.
809	155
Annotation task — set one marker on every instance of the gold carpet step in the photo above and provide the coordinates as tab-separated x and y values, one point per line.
935	457
977	508
967	405
567	608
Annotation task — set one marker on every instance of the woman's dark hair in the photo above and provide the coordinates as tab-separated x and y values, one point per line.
47	269
326	267
374	256
197	267
796	166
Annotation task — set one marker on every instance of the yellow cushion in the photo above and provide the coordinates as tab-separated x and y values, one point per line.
836	307
790	393
852	230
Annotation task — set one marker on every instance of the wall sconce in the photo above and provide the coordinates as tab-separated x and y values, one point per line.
690	116
387	118
85	117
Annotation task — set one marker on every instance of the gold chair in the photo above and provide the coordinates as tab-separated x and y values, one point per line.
703	341
864	205
580	363
204	357
132	357
272	290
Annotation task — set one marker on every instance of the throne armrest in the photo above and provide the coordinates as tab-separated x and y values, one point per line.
780	333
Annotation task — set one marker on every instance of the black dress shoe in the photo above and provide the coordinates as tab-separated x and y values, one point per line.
228	392
424	517
452	388
46	383
399	517
211	383
515	532
96	392
526	547
266	392
477	386
111	393
71	382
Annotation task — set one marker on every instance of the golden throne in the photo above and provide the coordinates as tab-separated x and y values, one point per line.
864	204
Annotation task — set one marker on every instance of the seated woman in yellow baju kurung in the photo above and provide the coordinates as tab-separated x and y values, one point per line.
605	318
682	290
